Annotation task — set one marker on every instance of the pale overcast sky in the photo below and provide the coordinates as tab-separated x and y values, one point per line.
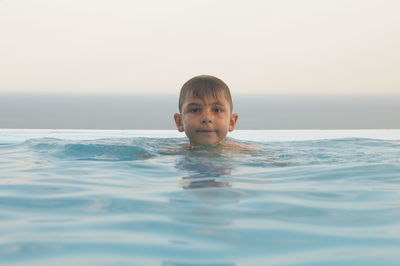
282	46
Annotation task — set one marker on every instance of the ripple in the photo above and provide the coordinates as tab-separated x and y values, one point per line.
126	201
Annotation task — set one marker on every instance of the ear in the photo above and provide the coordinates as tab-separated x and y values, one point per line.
232	122
178	122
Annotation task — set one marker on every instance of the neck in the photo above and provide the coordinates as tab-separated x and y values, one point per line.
206	146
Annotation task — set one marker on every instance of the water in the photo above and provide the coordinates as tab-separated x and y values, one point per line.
117	198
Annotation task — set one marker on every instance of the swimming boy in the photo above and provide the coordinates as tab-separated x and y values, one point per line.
206	117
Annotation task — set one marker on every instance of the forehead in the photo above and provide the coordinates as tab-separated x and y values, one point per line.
206	99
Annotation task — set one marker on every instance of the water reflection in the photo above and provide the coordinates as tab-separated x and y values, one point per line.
205	170
204	206
169	263
208	193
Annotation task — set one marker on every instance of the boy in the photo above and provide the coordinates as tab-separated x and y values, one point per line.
205	107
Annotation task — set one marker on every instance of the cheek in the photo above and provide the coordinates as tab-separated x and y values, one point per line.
187	123
226	122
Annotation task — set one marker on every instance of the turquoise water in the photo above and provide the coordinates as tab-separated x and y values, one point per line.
113	198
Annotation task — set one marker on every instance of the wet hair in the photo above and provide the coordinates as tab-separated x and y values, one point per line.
204	86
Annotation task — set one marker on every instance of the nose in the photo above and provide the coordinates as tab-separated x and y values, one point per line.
206	118
206	121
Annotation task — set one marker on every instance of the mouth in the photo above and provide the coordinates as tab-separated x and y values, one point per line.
205	131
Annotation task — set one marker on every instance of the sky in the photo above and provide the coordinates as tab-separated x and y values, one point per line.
154	46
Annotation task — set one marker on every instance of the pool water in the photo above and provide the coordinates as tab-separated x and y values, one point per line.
96	197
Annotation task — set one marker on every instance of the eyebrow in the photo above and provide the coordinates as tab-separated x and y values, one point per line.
193	104
199	104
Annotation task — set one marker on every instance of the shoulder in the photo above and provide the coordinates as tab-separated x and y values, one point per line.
239	147
227	145
176	148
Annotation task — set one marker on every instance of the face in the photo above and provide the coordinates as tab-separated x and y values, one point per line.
205	121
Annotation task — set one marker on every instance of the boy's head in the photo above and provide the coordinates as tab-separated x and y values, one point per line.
205	107
204	86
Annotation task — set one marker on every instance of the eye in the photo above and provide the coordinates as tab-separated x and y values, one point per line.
218	110
194	110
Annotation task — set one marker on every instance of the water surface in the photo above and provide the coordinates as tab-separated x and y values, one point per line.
113	198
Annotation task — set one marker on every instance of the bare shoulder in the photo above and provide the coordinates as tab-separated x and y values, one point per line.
175	148
239	147
227	145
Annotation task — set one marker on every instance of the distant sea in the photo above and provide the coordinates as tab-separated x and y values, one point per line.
145	111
